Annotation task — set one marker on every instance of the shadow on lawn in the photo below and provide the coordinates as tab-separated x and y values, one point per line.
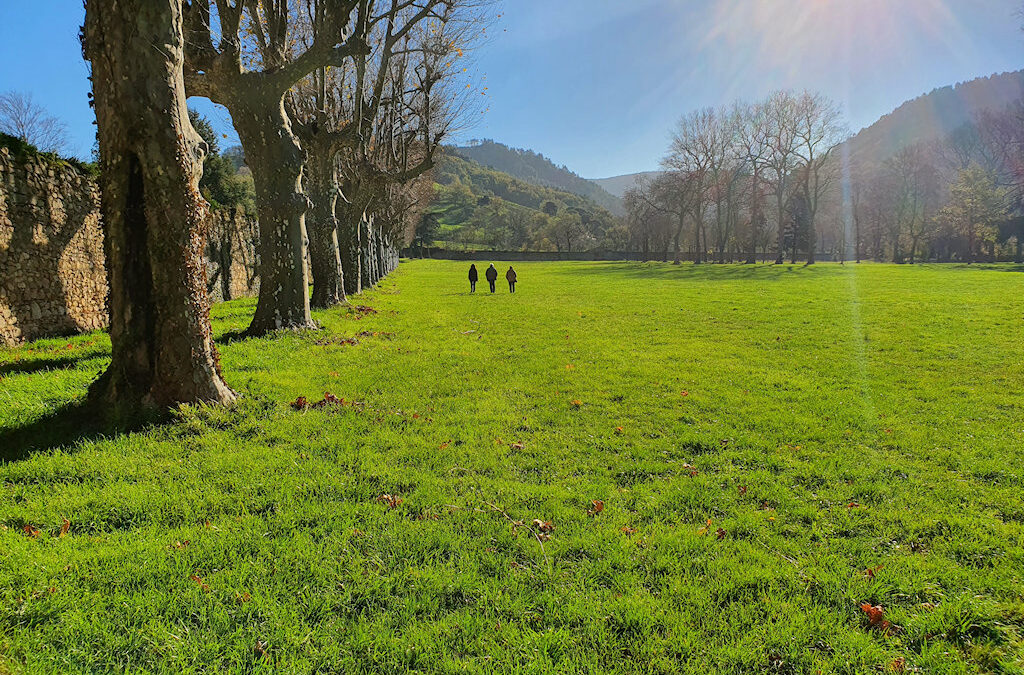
29	366
66	427
988	267
712	271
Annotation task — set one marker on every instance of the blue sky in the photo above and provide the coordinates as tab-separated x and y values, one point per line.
597	84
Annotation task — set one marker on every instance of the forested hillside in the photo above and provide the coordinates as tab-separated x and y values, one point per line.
539	170
479	207
936	115
619	185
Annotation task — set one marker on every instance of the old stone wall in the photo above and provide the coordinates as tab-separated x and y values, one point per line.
52	279
52	275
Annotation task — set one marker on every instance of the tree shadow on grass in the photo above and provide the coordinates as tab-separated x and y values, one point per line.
232	336
69	426
989	267
29	366
711	271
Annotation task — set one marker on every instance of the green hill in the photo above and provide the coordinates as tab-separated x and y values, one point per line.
537	169
935	115
476	207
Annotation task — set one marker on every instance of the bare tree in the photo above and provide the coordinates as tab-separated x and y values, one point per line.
755	148
154	217
819	130
781	117
336	112
693	155
21	117
405	102
244	55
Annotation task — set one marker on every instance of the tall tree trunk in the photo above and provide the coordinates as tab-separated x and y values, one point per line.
273	154
155	221
812	240
856	234
679	233
755	220
365	260
349	231
698	257
381	257
324	251
781	253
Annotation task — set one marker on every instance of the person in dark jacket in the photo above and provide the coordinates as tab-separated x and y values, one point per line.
492	276
473	278
511	277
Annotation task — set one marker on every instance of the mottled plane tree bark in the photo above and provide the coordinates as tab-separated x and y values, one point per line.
154	217
244	57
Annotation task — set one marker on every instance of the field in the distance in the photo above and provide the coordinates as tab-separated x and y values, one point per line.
773	447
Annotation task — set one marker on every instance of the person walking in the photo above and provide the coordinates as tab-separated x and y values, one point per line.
511	277
473	278
492	276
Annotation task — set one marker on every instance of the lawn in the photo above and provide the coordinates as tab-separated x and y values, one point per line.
796	470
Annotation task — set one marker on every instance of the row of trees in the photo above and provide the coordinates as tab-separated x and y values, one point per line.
778	176
730	170
339	106
957	198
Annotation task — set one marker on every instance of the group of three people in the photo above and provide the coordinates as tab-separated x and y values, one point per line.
492	275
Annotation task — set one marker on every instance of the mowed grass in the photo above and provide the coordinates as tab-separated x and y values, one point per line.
760	439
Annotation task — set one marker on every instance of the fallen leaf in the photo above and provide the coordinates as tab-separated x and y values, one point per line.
898	665
876	619
721	534
64	528
199	580
576	403
517	446
871	571
243	598
30	531
704	530
619	431
742	490
445	445
545	526
300	403
626	529
853	505
597	507
182	544
569	366
391	500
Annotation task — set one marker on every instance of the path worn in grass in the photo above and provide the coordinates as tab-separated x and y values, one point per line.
760	439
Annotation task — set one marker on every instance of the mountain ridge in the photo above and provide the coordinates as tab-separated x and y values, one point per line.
533	167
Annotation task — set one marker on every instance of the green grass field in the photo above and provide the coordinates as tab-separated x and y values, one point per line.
774	447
